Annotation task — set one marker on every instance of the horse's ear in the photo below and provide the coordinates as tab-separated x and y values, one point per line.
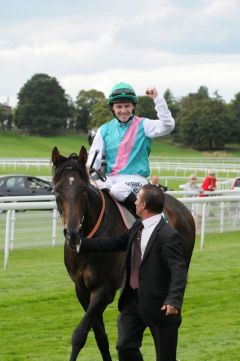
83	156
55	156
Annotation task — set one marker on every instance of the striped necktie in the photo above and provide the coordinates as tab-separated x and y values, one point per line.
136	258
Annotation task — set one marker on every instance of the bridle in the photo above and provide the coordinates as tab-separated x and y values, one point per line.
101	215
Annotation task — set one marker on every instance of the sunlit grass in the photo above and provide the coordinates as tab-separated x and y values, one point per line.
39	309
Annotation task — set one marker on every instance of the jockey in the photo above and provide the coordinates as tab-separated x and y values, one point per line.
125	142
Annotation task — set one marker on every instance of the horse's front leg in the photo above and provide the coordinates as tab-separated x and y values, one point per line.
99	299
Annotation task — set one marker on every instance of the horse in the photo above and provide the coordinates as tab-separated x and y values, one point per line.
89	212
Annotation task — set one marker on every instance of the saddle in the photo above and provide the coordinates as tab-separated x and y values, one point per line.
127	217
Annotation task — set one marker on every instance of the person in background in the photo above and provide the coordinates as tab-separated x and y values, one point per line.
209	183
91	135
126	142
153	282
195	208
154	181
192	185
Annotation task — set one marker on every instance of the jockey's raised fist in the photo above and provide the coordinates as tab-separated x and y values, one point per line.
151	92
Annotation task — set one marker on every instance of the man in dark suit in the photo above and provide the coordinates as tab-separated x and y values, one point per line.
153	281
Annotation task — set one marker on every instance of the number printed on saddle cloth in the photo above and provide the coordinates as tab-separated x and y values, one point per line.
136	186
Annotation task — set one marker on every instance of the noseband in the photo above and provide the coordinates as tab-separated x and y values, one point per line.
100	218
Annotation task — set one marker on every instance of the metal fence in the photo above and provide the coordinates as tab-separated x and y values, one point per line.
35	224
228	166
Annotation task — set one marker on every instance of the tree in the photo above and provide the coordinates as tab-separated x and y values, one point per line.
146	108
234	109
203	122
101	114
42	107
5	116
85	102
172	103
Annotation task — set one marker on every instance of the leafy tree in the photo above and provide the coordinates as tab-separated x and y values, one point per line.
5	116
85	102
42	107
234	109
172	103
202	92
101	114
203	122
174	108
146	108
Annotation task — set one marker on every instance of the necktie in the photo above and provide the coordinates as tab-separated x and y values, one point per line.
136	258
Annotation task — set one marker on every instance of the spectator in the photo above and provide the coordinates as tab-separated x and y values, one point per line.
154	181
192	185
209	183
196	209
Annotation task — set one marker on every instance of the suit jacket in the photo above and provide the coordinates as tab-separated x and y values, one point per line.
162	274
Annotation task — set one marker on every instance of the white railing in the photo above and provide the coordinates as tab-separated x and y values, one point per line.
204	201
12	204
230	166
24	162
227	207
187	168
217	192
222	183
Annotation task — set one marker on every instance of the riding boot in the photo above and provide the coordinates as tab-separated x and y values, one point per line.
129	203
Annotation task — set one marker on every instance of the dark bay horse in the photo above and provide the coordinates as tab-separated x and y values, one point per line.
87	212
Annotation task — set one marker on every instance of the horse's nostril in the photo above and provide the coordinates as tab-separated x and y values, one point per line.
72	236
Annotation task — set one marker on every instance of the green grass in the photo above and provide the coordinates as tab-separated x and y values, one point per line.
21	145
24	146
39	310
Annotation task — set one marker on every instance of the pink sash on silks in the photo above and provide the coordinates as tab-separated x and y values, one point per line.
126	146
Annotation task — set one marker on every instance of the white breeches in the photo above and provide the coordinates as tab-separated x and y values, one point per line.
121	185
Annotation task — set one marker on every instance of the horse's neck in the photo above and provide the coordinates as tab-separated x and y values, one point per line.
93	210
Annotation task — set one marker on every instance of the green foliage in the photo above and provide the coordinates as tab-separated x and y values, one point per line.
101	114
43	106
5	117
172	103
145	108
234	110
84	107
203	122
39	308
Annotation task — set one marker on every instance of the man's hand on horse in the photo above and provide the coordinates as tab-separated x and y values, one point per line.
151	92
170	310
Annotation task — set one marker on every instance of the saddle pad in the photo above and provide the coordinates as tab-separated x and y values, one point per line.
127	217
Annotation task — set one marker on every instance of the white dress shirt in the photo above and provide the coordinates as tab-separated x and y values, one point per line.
149	225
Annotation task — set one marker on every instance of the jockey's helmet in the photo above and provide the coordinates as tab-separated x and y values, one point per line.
122	92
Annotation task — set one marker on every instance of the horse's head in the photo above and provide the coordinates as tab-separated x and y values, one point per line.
71	181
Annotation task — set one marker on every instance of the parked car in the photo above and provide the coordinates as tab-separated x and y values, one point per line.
236	184
22	185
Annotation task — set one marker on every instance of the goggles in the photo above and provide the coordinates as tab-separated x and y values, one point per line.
122	92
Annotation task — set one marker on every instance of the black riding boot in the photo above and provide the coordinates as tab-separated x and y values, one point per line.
129	203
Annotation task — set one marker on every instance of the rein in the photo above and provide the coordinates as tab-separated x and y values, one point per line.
97	225
103	209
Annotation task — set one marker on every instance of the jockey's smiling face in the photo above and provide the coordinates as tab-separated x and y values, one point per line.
123	110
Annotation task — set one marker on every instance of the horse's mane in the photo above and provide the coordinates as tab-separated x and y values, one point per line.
71	163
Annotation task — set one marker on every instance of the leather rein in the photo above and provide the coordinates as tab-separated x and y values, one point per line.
99	221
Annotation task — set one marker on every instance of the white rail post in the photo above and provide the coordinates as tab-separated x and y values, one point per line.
203	225
222	206
6	250
12	226
54	227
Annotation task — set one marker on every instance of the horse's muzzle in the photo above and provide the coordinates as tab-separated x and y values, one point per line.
72	238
